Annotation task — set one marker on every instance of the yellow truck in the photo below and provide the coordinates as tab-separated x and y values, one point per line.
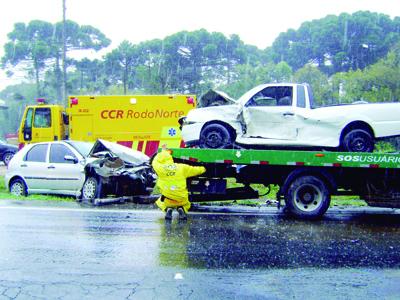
140	122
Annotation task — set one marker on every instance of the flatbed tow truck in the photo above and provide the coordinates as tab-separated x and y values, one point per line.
306	179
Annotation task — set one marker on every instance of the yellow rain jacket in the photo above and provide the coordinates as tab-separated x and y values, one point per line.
172	181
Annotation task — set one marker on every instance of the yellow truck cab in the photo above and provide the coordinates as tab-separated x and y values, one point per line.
42	123
140	122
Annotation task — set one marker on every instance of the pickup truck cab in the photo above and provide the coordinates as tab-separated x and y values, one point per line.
285	115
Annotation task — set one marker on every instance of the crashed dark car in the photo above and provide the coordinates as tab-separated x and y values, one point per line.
7	151
117	170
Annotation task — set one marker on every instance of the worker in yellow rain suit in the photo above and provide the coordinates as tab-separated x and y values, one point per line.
172	183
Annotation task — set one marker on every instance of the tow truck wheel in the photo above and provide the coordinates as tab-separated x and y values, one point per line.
90	189
307	197
215	136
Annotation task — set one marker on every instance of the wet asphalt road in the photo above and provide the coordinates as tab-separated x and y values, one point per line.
68	251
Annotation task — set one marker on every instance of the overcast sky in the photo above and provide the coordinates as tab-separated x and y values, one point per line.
257	22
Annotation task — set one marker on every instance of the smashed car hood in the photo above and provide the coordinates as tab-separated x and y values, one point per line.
119	170
214	98
124	153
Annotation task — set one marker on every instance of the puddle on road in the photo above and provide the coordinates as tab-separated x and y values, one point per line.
275	242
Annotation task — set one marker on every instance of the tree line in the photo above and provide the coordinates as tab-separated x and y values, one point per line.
345	58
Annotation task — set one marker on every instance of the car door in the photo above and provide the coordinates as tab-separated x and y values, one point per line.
34	166
269	114
64	171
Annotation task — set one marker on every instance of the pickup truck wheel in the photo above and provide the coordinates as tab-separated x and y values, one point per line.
7	157
90	189
307	197
358	140
18	188
215	136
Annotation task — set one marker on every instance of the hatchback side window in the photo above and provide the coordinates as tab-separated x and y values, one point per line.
58	153
37	153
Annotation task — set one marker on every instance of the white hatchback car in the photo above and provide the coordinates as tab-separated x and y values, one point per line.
53	167
79	169
285	115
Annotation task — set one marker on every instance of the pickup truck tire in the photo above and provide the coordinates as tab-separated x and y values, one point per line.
18	187
215	136
307	197
358	140
90	189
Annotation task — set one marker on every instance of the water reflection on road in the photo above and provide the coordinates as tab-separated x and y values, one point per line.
63	251
221	241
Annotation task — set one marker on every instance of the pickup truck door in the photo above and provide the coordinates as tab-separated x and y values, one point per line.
269	114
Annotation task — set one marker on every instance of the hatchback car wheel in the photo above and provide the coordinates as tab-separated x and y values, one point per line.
90	188
18	188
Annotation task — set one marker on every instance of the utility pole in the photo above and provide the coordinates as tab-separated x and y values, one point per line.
64	68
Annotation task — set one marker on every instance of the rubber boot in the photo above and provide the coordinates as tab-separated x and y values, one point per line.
182	214
168	214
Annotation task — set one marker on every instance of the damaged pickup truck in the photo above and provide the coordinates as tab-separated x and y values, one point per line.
80	169
284	115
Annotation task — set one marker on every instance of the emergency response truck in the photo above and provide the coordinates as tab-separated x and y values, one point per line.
140	122
306	179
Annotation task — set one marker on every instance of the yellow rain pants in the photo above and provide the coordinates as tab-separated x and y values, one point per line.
172	181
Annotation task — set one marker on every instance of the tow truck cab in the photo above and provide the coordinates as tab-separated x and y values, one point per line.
43	122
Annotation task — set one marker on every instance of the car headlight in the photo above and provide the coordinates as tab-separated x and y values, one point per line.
184	121
181	121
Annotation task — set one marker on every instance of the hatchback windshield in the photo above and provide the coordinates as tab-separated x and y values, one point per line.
82	147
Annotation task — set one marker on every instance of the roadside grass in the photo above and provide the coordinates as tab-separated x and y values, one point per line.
267	197
5	194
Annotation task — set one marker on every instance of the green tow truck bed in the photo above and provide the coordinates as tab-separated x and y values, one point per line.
285	157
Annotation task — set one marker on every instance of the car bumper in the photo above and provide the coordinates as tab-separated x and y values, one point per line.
7	178
191	144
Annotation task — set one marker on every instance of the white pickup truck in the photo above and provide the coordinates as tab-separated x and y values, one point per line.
285	116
